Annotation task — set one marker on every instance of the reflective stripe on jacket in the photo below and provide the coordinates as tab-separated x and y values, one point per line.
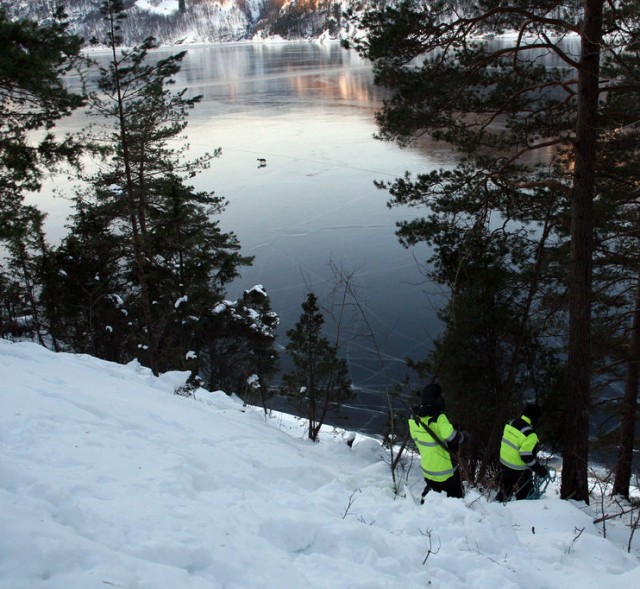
434	459
519	444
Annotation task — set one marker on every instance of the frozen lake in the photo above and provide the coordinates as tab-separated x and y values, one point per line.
308	110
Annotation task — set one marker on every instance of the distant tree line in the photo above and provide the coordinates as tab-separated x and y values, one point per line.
290	20
302	20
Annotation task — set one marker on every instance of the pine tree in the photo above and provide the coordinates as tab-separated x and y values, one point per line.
320	378
33	97
617	243
12	307
132	96
191	263
26	248
490	354
85	293
238	346
178	261
498	104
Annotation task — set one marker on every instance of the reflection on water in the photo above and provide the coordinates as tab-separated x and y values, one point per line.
244	74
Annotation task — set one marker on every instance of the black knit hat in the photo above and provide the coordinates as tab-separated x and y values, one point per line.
532	411
431	394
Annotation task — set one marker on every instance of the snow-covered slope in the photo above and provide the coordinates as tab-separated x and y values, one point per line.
108	479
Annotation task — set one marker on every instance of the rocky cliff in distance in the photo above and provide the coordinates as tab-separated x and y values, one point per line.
197	21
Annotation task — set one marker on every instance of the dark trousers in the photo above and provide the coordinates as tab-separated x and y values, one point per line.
515	482
452	486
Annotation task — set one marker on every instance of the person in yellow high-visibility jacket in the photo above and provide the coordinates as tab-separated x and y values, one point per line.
518	455
440	471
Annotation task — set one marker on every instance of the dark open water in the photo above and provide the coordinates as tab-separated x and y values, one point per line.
308	109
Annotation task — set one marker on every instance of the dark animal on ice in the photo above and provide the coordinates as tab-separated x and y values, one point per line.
262	162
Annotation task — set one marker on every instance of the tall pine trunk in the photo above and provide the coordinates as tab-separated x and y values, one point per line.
576	434
136	217
629	407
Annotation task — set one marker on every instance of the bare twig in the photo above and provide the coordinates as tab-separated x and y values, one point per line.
578	534
430	550
614	515
350	502
634	523
346	282
478	551
602	482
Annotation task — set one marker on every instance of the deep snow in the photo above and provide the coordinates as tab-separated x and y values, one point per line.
108	479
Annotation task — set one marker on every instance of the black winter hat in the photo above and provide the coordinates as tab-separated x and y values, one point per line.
532	411
431	394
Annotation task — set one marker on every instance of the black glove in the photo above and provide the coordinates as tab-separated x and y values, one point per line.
463	436
541	470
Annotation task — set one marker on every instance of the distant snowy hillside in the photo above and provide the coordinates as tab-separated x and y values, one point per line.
108	479
203	21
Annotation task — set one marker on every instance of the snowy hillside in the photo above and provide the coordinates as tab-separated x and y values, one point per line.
107	479
202	21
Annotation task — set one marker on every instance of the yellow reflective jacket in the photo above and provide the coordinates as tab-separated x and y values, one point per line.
519	444
435	461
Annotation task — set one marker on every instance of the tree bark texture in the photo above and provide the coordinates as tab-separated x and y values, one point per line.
629	408
576	436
